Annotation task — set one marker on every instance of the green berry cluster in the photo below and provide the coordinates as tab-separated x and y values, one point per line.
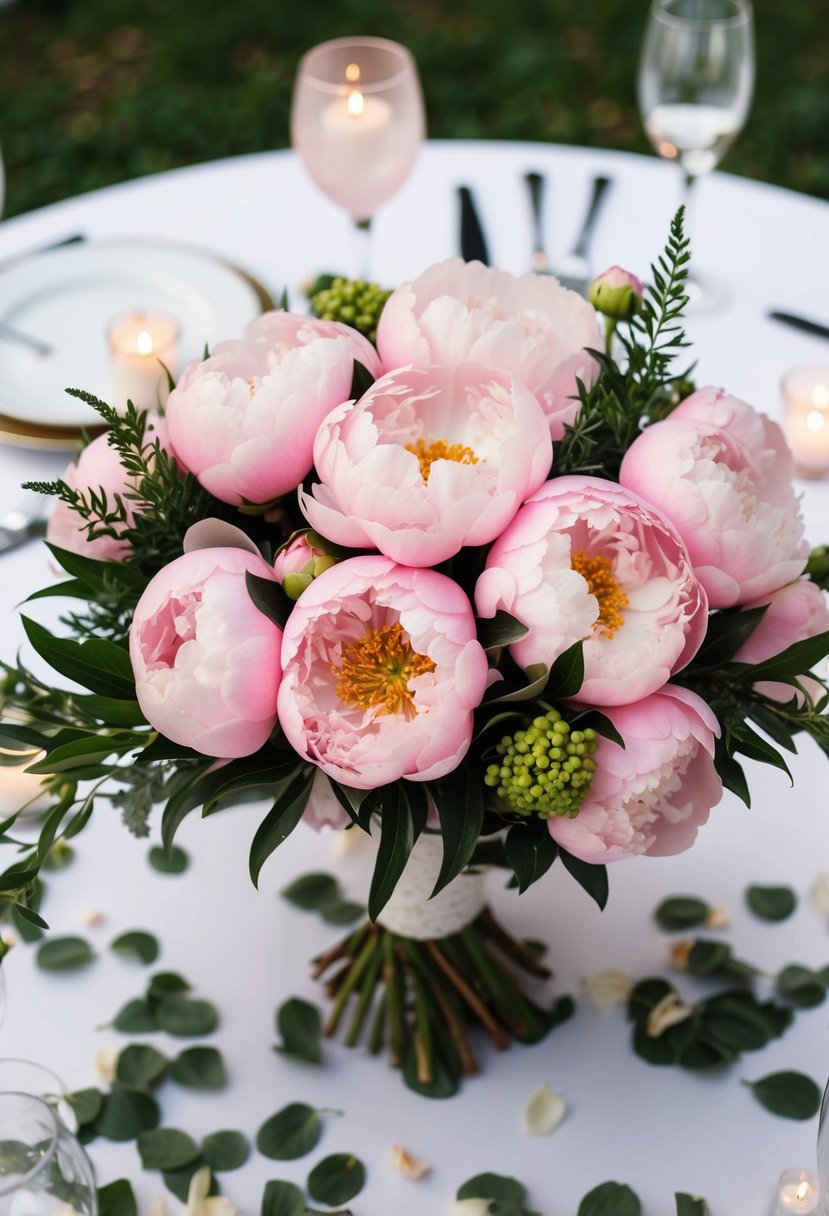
353	301
546	768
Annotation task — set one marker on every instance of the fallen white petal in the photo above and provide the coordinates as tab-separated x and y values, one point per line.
90	917
470	1207
610	989
717	918
679	954
407	1165
106	1062
819	893
666	1013
158	1208
543	1112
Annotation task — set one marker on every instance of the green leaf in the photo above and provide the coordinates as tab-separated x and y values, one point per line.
279	822
444	1082
312	892
530	851
803	986
336	1179
225	1150
292	1132
199	1068
137	944
117	1199
681	912
98	665
86	1104
282	1199
731	772
125	1112
361	380
269	598
567	673
168	861
499	630
300	1025
592	878
493	1186
400	827
166	1148
795	661
136	1017
771	903
737	1024
691	1205
140	1066
64	954
460	806
727	630
186	1017
178	1181
610	1199
791	1095
537	677
165	983
707	956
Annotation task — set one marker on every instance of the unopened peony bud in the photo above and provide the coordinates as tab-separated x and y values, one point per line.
299	563
616	293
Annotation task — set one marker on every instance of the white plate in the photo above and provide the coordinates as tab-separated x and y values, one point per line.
67	297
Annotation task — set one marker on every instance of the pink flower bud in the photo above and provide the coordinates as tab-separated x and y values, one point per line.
616	293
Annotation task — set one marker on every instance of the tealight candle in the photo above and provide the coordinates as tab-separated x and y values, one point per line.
19	788
139	343
355	128
798	1194
806	394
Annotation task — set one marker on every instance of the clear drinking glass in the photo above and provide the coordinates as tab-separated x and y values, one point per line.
696	80
357	122
823	1153
43	1169
27	1077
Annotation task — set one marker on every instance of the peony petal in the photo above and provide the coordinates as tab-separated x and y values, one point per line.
543	1111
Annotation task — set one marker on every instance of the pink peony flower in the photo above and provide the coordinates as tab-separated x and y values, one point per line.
585	558
382	672
530	326
244	420
721	474
97	470
427	461
795	612
205	659
323	810
654	794
616	293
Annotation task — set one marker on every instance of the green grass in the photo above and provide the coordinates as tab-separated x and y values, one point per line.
97	91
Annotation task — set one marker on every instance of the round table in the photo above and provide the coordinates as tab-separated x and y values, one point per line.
659	1130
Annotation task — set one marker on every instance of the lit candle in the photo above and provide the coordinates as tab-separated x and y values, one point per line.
356	126
806	393
19	788
797	1194
139	343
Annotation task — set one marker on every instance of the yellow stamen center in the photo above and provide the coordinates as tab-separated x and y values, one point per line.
439	449
598	572
251	387
376	670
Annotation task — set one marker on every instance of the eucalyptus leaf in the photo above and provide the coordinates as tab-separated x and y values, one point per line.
140	1066
125	1112
165	983
336	1179
610	1199
117	1199
64	954
312	892
300	1025
804	987
225	1150
186	1017
691	1205
137	944
495	1187
771	903
444	1082
282	1199
178	1181
681	912
86	1105
168	861
136	1017
166	1148
199	1068
292	1132
792	1095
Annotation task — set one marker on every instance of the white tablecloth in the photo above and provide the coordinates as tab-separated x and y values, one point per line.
659	1130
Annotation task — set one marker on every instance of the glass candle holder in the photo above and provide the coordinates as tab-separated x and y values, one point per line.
27	1077
43	1169
806	418
798	1194
142	345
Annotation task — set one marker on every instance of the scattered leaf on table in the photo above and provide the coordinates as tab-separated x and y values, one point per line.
186	1017
64	954
789	1094
610	1199
166	1148
292	1132
819	893
609	989
681	912
140	1065
771	903
691	1205
336	1179
804	987
136	1017
225	1150
178	1181
86	1103
199	1068
137	944
172	861
117	1199
125	1112
493	1187
106	1063
300	1024
282	1199
165	983
543	1112
407	1165
319	892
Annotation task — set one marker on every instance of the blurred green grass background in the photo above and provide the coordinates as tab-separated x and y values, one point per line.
98	91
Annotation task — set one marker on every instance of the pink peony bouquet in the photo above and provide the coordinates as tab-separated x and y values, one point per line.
503	579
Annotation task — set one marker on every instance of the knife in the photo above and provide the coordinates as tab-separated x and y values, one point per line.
802	323
472	240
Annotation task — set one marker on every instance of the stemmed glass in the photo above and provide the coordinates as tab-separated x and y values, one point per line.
696	80
357	121
43	1169
823	1153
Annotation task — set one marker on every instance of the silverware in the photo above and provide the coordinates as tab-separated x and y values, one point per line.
803	323
539	261
573	270
472	240
23	523
9	334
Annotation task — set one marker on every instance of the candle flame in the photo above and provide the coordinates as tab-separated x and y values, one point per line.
803	1190
352	73
144	342
815	420
820	396
356	103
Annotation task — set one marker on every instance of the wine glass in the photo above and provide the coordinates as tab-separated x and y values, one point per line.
43	1169
696	79
823	1153
357	122
27	1077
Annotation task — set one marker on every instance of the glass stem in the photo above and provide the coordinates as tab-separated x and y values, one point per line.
362	248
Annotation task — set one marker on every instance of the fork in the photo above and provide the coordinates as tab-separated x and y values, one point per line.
573	270
23	522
